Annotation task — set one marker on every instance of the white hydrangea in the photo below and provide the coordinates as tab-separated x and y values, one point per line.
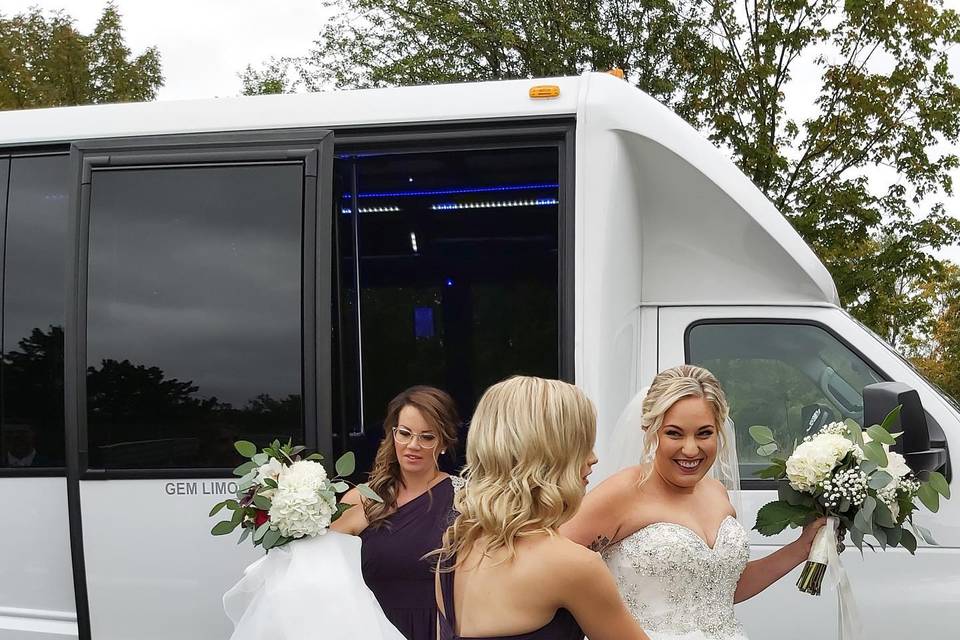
814	460
304	501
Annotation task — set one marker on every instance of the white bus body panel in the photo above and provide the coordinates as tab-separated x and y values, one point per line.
36	587
138	566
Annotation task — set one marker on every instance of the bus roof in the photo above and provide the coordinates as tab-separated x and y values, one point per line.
475	101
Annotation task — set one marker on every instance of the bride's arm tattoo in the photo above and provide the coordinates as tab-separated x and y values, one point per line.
598	545
602	542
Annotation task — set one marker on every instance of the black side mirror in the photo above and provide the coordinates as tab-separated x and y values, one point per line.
883	397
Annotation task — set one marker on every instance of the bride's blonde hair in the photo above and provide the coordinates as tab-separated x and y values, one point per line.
527	443
671	386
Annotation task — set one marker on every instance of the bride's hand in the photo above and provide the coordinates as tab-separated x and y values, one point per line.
809	533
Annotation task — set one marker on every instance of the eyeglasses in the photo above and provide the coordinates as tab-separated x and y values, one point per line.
404	436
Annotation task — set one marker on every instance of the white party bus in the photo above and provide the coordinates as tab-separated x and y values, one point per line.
180	275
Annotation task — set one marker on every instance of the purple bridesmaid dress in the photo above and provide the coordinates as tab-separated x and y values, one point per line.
563	626
392	565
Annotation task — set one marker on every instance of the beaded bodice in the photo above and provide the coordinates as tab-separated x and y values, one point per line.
678	587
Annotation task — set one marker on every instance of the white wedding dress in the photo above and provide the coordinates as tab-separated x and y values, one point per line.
676	586
310	589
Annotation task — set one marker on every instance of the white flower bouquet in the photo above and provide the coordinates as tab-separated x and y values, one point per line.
849	475
282	496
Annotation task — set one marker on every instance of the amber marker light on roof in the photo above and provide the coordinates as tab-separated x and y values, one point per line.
544	91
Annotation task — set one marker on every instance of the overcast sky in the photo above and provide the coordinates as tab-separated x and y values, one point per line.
204	44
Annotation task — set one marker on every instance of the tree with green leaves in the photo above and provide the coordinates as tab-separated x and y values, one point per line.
274	76
938	355
856	154
46	62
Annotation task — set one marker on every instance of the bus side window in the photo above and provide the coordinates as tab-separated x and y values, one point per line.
448	276
793	378
193	313
34	276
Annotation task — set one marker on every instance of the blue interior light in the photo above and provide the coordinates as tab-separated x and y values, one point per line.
454	190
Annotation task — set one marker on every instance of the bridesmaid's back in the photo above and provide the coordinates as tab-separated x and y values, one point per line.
513	600
505	571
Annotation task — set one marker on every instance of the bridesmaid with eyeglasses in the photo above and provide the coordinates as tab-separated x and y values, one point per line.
420	426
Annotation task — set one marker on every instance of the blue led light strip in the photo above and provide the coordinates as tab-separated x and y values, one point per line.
496	204
445	192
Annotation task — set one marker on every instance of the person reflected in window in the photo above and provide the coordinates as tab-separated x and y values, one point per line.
20	448
420	427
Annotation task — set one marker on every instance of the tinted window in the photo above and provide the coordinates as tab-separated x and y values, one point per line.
33	312
793	378
457	267
193	317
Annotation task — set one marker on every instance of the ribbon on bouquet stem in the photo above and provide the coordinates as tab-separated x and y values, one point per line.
824	551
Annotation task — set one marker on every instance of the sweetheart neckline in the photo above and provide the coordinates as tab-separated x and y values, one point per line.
716	538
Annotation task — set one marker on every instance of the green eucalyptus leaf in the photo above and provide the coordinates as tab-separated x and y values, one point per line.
340	487
245	468
856	537
879	479
883	516
270	482
270	538
767	449
929	497
868	467
761	435
854	432
216	508
894	535
315	456
368	493
881	536
244	535
260	459
938	483
224	527
245	448
881	435
875	453
261	531
863	523
869	504
887	424
908	541
346	464
262	502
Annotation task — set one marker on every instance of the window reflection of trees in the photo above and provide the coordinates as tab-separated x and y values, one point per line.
33	398
137	416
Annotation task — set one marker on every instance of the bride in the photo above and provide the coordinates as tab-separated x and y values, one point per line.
668	532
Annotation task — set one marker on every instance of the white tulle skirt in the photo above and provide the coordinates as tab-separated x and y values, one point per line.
309	589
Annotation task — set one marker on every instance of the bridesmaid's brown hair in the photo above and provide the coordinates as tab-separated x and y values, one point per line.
440	412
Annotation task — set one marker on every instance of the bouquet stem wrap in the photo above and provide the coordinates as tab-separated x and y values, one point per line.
824	562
